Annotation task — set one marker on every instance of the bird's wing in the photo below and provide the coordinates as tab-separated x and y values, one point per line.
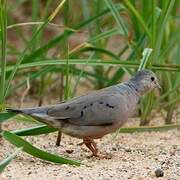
90	110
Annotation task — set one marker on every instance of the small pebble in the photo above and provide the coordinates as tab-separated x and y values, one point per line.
114	148
127	149
69	151
159	172
29	173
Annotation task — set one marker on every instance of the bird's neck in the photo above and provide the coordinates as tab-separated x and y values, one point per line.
131	94
129	88
138	86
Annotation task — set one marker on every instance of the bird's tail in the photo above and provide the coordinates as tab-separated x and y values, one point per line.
29	111
18	111
39	113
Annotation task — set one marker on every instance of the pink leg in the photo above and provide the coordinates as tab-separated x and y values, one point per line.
91	145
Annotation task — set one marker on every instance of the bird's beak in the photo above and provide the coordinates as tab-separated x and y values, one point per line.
158	86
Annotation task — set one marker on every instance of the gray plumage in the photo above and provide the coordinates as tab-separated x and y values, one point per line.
97	113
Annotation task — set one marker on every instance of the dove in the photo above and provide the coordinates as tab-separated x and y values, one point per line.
97	113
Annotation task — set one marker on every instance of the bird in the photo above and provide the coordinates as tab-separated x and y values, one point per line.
97	113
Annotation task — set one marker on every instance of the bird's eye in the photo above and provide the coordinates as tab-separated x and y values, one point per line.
152	78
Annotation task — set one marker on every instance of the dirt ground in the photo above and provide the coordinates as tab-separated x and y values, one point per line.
134	156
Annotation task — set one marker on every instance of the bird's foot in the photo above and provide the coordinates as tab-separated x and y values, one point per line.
91	145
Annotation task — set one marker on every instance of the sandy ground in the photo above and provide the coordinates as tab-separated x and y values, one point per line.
134	156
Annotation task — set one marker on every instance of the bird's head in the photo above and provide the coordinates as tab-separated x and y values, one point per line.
145	80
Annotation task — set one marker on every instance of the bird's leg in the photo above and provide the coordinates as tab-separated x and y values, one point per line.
91	145
58	141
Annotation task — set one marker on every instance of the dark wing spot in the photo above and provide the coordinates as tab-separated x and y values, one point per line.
101	102
109	106
67	108
82	113
91	104
84	107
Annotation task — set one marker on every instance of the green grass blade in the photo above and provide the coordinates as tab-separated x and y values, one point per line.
138	16
50	18
97	62
36	130
31	77
26	119
172	101
167	94
6	116
146	53
7	160
3	35
149	128
117	17
116	77
153	22
28	148
44	129
147	101
59	38
161	28
106	34
54	69
35	10
101	50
